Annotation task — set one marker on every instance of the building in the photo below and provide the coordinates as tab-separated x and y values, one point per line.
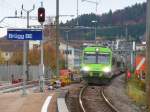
73	55
8	47
140	47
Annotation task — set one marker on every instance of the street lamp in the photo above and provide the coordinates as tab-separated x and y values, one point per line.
95	28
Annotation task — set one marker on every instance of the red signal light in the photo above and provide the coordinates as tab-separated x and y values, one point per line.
41	14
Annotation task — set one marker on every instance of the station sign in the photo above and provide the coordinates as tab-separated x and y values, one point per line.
24	34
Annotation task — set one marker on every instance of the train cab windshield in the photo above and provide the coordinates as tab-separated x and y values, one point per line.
103	58
89	58
96	58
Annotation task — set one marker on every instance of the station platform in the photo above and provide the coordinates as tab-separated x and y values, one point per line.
32	102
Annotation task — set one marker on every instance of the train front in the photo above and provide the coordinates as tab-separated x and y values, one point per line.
96	65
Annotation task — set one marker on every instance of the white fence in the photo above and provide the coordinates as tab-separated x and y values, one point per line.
6	72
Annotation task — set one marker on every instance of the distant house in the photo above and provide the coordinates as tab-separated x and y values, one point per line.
8	47
140	47
73	55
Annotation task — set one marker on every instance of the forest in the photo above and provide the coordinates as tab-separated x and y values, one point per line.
129	22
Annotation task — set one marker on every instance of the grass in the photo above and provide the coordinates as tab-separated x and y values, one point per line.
136	90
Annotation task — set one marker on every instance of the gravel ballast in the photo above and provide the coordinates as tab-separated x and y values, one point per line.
117	94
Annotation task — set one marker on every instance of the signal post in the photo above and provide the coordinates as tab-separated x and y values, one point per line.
41	19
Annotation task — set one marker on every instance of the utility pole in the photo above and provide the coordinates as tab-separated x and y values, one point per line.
25	53
148	55
57	37
95	30
24	67
77	12
67	49
133	51
126	32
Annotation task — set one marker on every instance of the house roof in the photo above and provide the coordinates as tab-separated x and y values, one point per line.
10	46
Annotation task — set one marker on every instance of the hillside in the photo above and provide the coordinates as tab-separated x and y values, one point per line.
112	24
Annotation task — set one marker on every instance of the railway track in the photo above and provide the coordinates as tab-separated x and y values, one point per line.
16	87
93	99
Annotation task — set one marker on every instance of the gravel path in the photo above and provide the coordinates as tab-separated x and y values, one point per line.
117	94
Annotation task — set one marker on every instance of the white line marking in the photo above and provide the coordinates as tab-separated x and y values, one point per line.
140	64
62	107
46	103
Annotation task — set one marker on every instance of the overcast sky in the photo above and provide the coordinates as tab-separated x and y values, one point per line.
67	7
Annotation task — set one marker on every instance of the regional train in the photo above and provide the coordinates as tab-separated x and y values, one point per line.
99	64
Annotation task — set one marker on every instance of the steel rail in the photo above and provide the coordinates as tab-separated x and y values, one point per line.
113	108
107	101
80	98
19	85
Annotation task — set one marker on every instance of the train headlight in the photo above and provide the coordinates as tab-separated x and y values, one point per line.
97	49
107	69
85	69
